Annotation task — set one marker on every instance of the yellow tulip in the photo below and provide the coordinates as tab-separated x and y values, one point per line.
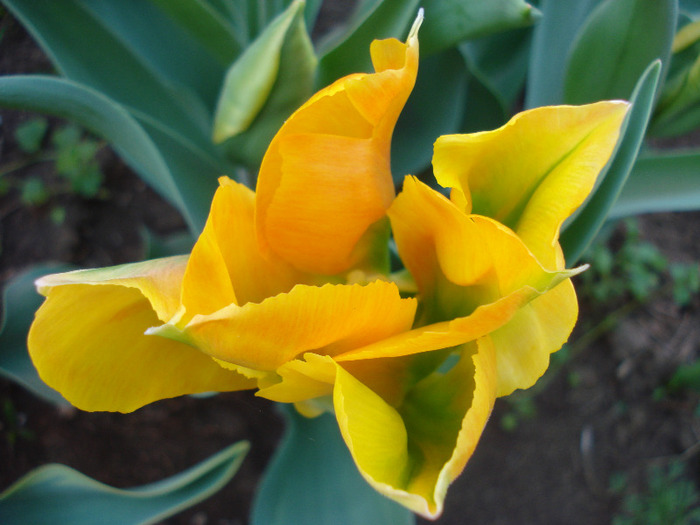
287	289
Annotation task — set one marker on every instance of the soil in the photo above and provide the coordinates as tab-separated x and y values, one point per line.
595	415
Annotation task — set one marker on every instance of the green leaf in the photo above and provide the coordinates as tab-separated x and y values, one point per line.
312	479
615	45
433	109
585	226
347	51
104	117
19	302
80	41
661	182
34	192
449	22
484	109
678	110
500	63
29	134
55	494
551	42
251	78
292	87
206	25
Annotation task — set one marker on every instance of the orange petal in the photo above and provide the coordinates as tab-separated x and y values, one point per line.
226	266
326	320
340	140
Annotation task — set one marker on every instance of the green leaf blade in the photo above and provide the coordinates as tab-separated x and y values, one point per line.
313	479
58	494
615	45
583	228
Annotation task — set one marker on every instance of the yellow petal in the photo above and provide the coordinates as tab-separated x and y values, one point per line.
326	177
158	280
88	343
326	320
524	344
532	173
460	261
412	452
226	266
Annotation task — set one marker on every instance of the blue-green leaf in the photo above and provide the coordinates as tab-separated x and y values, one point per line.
551	42
55	494
449	22
347	51
251	78
499	62
433	109
585	226
206	25
312	479
616	44
661	182
83	46
19	302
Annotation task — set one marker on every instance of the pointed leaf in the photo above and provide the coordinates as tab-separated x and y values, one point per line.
667	182
312	479
19	302
583	229
449	22
86	50
58	494
251	78
614	47
551	42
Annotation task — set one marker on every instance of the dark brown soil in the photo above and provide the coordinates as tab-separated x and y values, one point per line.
595	416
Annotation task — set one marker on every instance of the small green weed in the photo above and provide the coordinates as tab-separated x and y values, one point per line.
73	155
670	499
521	407
638	269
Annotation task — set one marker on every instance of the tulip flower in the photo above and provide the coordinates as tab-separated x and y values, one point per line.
288	289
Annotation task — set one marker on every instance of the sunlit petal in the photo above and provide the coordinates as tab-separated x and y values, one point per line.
340	140
532	173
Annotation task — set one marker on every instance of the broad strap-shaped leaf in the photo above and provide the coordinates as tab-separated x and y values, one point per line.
251	77
614	47
433	109
579	233
449	22
326	487
661	182
373	19
101	115
19	302
207	26
552	39
58	494
89	341
500	63
98	56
